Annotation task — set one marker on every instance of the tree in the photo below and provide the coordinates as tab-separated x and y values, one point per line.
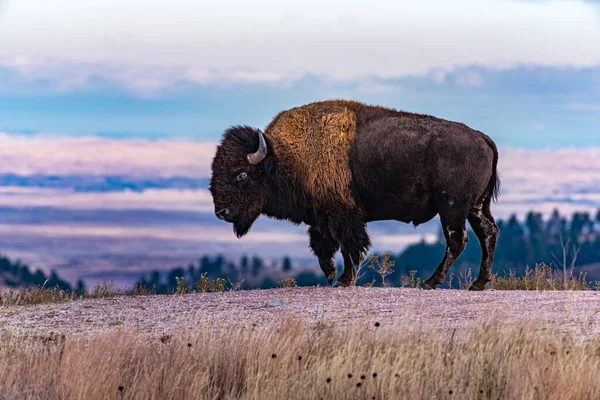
287	264
257	265
244	264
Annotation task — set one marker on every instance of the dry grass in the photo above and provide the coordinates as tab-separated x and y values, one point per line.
292	360
49	295
543	277
34	296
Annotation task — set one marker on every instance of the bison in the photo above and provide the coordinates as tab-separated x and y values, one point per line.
337	165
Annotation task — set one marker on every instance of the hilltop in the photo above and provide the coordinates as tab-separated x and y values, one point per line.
575	312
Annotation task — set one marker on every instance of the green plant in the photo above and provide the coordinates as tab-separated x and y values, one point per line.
217	285
180	289
205	284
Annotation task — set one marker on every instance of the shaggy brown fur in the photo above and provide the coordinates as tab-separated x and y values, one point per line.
314	141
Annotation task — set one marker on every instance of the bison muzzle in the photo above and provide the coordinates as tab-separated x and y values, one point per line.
337	165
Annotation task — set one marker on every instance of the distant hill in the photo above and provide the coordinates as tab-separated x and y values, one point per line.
89	183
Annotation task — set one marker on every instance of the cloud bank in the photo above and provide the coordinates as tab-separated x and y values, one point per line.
531	178
63	155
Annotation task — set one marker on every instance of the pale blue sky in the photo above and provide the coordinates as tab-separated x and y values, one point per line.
526	72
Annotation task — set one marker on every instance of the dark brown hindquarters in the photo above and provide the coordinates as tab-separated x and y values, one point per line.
454	211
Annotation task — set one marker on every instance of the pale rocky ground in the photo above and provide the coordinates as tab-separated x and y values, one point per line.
577	313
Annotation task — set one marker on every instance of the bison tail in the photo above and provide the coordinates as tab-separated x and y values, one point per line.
493	188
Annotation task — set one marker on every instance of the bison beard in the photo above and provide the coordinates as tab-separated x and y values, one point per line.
337	165
242	223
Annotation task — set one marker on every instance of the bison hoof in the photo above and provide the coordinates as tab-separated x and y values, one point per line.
428	286
340	283
331	277
477	288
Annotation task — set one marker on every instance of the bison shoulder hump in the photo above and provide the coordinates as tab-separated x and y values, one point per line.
315	141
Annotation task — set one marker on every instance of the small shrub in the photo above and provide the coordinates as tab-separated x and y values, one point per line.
287	283
236	286
142	290
217	285
383	266
180	289
410	281
450	279
205	284
465	279
542	277
105	289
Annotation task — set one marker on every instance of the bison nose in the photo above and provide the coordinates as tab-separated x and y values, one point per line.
222	213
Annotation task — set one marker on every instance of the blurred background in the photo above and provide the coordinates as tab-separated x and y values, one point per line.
110	112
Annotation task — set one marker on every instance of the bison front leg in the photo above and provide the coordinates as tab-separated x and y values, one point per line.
456	240
324	247
354	246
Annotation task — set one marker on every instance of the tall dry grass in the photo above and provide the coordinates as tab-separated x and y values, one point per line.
291	360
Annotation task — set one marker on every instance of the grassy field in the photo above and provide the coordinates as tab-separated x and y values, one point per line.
293	359
532	340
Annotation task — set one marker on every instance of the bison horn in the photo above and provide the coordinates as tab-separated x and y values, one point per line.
261	153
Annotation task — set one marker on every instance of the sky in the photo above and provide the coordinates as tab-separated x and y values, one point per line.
525	72
110	111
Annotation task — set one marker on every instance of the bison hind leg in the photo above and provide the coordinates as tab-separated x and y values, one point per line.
455	232
483	225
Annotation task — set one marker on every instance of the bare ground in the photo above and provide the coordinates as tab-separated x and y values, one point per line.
573	312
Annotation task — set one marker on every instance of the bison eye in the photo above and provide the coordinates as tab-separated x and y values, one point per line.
242	176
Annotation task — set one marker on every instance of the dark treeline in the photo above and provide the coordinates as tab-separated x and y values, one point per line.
250	272
15	274
520	244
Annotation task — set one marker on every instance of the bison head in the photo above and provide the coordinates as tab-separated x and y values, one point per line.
237	184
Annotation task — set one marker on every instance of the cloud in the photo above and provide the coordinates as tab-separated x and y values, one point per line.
198	234
63	155
470	78
63	76
152	199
